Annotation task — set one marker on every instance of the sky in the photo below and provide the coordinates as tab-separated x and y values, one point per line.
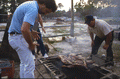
66	4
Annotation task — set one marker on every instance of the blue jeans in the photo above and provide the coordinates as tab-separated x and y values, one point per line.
41	45
98	41
27	63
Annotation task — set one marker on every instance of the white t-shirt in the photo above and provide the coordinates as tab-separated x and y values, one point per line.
101	28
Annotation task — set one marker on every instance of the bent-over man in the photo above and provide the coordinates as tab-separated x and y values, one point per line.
103	31
20	35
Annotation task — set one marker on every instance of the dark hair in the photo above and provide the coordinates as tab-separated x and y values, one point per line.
50	4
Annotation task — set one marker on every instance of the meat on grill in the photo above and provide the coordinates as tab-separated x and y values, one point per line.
73	60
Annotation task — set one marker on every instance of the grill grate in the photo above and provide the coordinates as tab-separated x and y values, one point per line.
52	69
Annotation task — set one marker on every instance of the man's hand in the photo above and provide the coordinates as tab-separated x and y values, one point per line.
35	35
105	46
32	47
43	30
107	40
41	23
92	43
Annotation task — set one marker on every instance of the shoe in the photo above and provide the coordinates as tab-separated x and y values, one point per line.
89	58
110	63
109	67
45	56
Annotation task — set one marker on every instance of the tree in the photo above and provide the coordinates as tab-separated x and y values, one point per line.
85	9
12	6
6	50
99	7
9	5
60	5
3	6
79	6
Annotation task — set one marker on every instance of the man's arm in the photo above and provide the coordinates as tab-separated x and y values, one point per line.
107	41
25	29
41	22
92	38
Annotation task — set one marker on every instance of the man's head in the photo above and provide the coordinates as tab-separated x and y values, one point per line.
47	6
89	20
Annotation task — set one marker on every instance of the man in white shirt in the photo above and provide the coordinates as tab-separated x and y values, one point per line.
103	31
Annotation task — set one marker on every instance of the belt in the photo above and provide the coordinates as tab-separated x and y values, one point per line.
14	33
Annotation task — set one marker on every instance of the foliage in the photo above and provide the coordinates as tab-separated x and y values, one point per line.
9	5
95	7
98	7
85	9
60	5
58	13
3	7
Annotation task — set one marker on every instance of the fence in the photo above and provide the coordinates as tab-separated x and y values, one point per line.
60	30
46	27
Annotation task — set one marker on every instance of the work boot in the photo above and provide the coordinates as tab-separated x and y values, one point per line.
45	56
109	63
89	58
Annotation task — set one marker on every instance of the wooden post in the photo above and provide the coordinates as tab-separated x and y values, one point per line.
72	23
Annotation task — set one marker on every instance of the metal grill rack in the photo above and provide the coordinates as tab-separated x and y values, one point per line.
51	68
55	72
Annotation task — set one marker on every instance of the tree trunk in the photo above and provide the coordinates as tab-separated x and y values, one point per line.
6	50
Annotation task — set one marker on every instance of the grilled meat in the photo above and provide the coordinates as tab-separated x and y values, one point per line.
73	60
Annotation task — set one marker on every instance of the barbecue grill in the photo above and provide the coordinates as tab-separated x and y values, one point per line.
55	68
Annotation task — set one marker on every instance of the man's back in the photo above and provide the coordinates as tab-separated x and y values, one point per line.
26	12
